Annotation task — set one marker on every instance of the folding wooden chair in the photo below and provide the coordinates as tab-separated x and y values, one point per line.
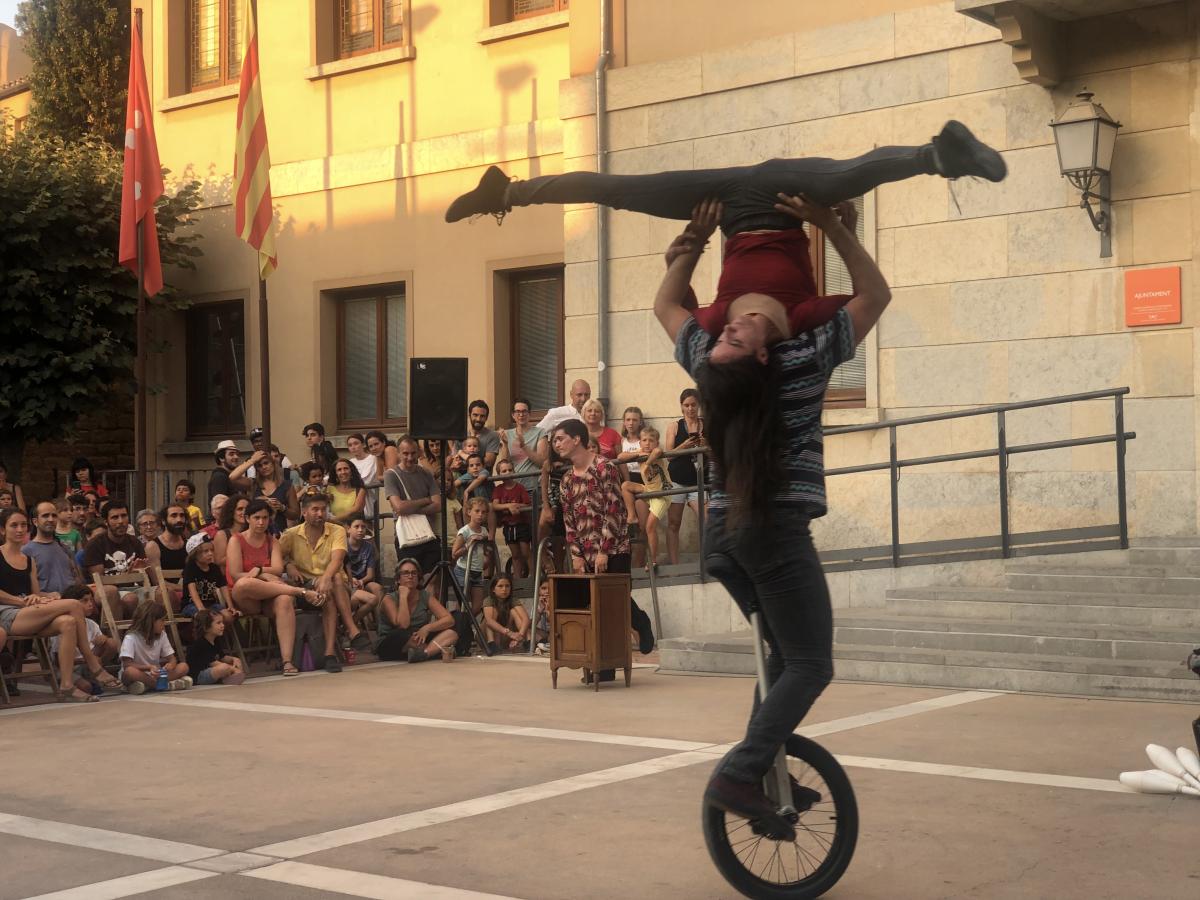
46	670
136	580
164	579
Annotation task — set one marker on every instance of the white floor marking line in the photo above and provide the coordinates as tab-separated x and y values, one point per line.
945	701
143	882
361	884
450	724
478	806
102	839
1035	778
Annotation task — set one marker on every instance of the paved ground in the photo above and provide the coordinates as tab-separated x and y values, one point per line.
472	779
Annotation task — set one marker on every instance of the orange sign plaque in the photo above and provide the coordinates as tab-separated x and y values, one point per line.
1152	296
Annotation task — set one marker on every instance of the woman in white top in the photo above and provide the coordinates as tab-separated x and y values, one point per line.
368	467
631	448
519	444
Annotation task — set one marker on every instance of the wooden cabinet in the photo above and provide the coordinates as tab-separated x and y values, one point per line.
589	625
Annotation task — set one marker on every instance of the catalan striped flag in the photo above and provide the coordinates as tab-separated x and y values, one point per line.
252	163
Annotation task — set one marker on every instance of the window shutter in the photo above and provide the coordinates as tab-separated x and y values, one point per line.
539	317
393	22
233	39
205	50
852	374
360	335
397	357
357	26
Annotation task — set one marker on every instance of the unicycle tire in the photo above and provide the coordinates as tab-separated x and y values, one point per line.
826	834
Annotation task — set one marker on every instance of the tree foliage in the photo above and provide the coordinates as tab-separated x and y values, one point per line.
80	55
67	306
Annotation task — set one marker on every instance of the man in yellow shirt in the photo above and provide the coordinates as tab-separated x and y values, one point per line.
314	554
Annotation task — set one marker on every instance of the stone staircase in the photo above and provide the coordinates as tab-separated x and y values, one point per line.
1060	628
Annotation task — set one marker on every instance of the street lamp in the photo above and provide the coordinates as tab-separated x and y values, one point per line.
1086	136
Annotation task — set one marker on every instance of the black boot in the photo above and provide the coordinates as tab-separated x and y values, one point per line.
641	624
959	153
486	199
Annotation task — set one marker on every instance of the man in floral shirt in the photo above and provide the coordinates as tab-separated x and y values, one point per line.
594	516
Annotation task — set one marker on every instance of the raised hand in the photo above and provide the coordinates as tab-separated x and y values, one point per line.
800	207
705	218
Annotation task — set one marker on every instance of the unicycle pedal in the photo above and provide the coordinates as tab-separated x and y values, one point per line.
775	828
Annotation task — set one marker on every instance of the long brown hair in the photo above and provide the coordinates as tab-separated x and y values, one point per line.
147	613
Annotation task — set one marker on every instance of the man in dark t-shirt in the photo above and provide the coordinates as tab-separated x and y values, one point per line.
115	552
229	477
411	490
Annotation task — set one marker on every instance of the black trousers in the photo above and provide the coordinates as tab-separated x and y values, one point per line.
748	193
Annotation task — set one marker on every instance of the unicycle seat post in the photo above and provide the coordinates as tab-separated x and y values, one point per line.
776	785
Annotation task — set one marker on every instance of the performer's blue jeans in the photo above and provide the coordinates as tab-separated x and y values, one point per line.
775	569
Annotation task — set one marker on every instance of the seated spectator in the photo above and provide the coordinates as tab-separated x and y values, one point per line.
147	526
255	567
362	567
56	569
8	500
83	479
313	474
541	630
489	441
321	450
92	529
229	477
505	620
146	652
347	497
519	444
115	552
468	448
208	659
510	505
168	551
25	612
473	534
209	531
475	481
368	470
204	585
93	503
271	485
314	554
185	496
654	478
6	485
258	441
103	647
409	620
631	443
383	450
70	531
608	440
231	521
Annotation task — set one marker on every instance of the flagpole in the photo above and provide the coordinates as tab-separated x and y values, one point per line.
264	365
140	361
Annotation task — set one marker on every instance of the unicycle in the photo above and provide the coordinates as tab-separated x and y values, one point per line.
811	791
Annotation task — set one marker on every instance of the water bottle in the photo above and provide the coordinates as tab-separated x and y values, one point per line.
161	685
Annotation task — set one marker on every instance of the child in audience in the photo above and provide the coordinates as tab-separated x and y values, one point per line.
474	482
7	498
458	462
207	656
147	651
541	631
313	474
454	507
473	532
204	585
362	566
65	531
505	620
509	497
185	496
654	478
92	528
103	646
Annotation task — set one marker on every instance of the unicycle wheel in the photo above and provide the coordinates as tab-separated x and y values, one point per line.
826	832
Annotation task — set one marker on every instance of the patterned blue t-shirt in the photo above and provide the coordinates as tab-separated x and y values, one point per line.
807	361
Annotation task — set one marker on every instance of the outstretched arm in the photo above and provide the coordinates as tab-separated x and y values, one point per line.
871	291
682	256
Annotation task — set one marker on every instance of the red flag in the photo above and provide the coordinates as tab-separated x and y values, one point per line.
251	161
142	183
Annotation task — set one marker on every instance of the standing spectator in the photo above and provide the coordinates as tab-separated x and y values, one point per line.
579	394
454	509
489	441
409	621
115	552
383	450
413	491
631	443
320	449
474	482
229	477
231	521
276	489
56	569
258	442
66	531
8	500
347	496
362	567
185	496
607	440
147	526
593	514
368	470
688	433
520	443
510	500
431	455
207	656
147	651
18	496
314	554
473	534
83	479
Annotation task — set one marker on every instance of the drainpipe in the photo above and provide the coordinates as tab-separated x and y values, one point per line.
602	62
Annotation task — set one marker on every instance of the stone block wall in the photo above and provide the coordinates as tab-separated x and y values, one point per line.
1000	294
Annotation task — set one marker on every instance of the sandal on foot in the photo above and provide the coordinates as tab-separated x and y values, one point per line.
74	696
290	670
105	680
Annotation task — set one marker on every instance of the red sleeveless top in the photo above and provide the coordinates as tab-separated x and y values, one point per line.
251	556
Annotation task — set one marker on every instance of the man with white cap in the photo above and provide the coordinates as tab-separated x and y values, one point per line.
229	477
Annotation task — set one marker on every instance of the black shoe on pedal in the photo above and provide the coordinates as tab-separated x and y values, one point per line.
749	802
960	153
803	798
486	199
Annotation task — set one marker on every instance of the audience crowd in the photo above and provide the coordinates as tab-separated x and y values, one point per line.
295	544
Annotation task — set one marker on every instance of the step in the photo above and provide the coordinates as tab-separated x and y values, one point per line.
1164	556
1105	581
1179	618
980	670
1054	598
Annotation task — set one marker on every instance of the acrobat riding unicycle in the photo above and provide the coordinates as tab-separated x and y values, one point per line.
811	792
